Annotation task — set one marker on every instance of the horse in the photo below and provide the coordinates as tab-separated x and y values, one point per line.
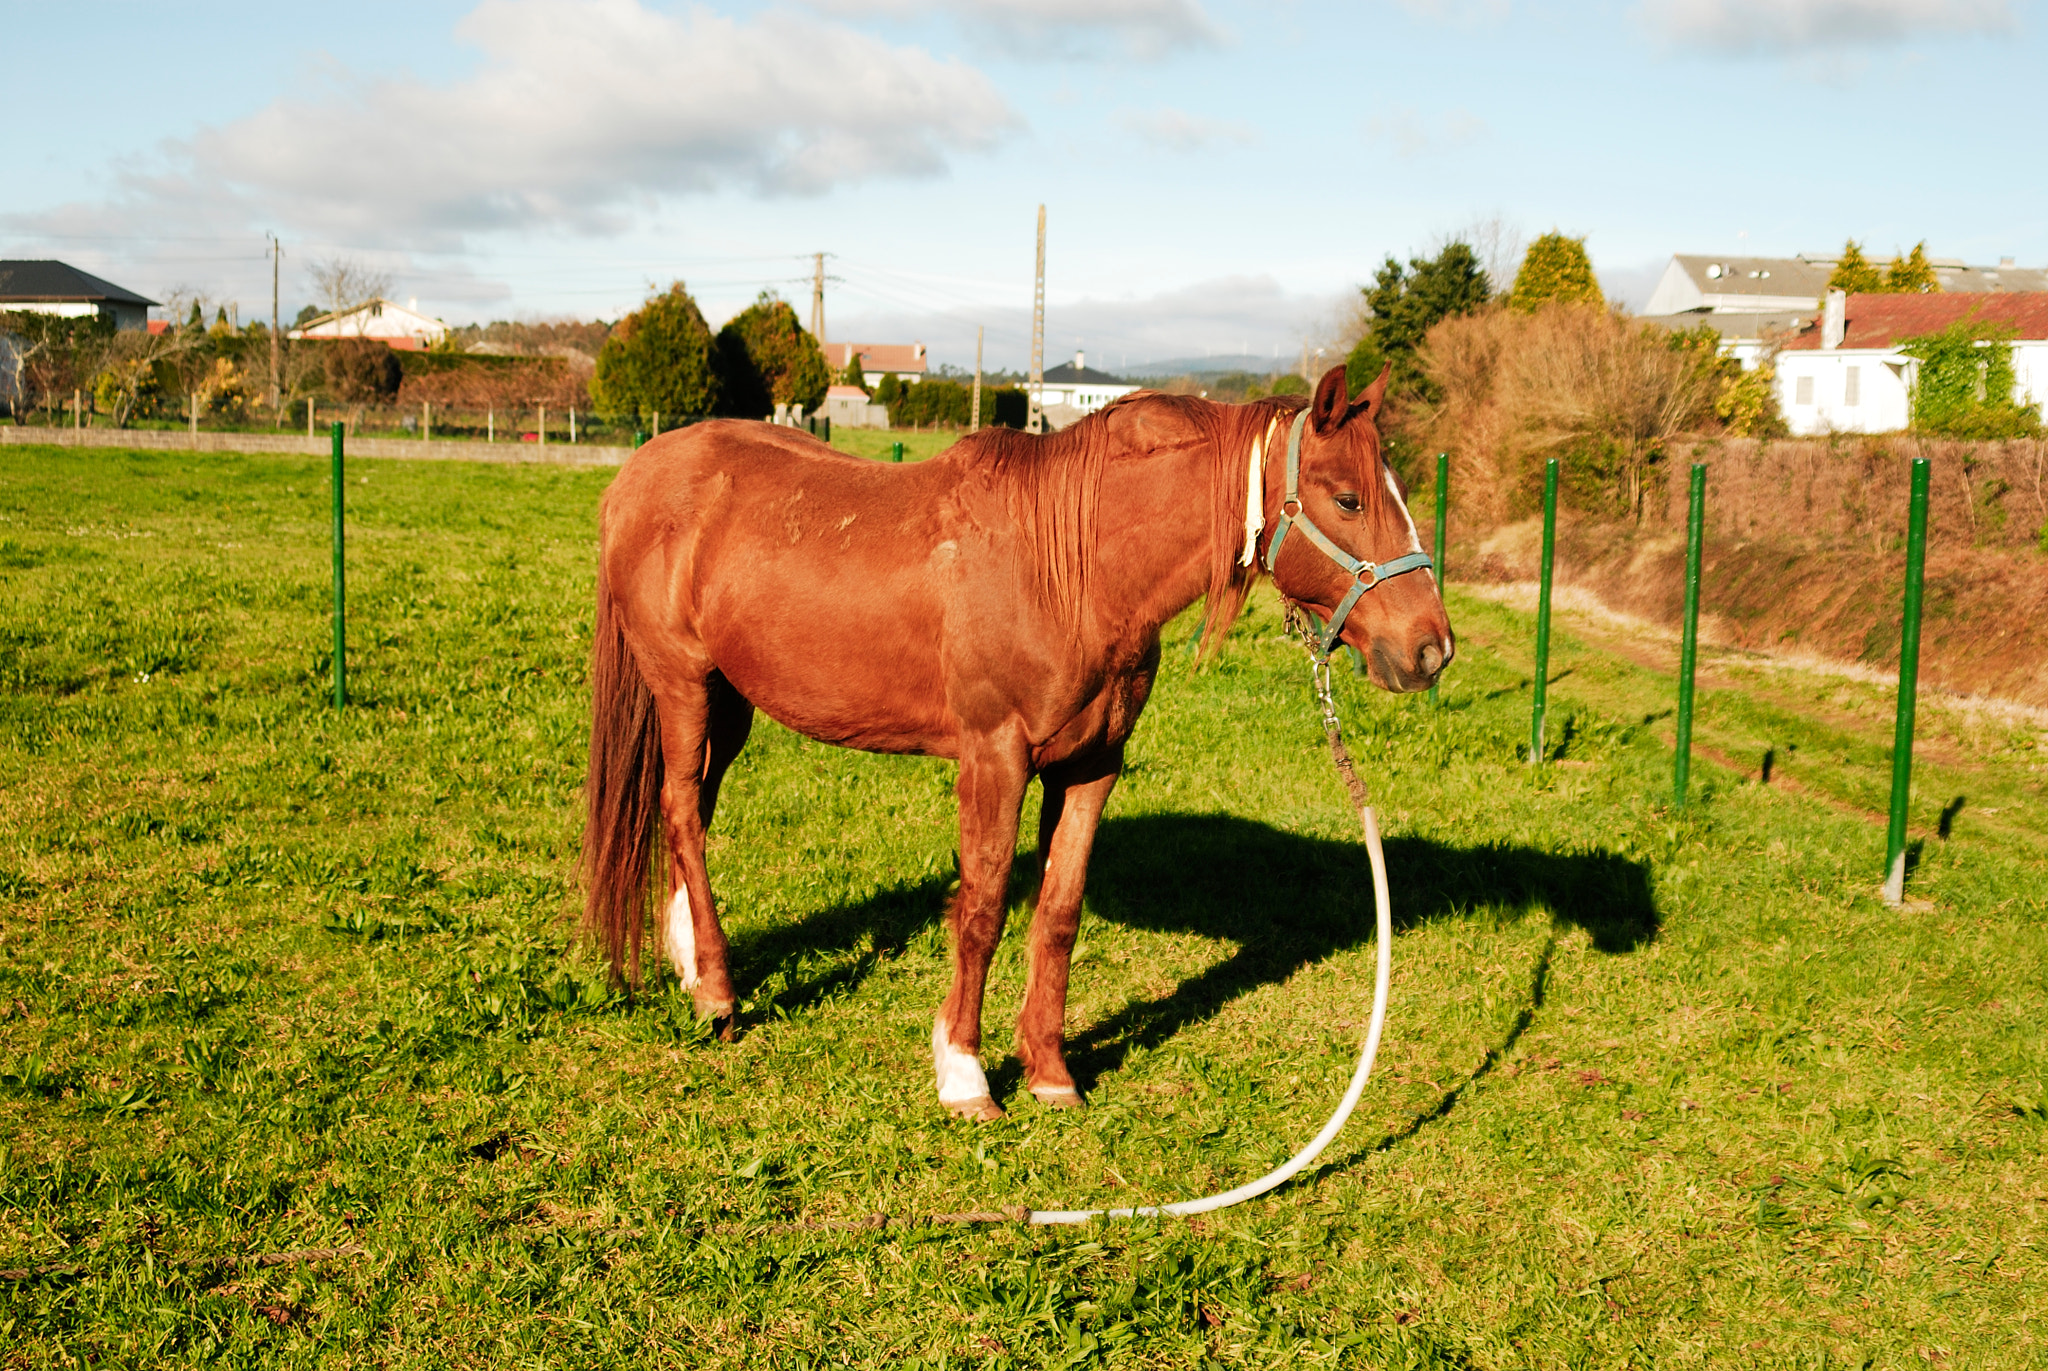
1000	605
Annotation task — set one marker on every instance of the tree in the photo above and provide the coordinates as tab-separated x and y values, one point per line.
889	391
660	360
1406	304
1913	274
342	283
1555	268
766	358
1855	273
854	374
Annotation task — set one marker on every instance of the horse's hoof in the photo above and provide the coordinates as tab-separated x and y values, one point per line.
981	1109
1058	1097
725	1026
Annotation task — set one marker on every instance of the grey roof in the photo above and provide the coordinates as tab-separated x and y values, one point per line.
59	282
1732	325
1756	275
1067	374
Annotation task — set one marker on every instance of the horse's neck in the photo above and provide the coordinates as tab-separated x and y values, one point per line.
1155	515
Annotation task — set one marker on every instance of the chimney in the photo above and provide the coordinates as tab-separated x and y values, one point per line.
1080	359
413	304
2005	263
1835	321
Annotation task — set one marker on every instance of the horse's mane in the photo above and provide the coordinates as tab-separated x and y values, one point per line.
1053	483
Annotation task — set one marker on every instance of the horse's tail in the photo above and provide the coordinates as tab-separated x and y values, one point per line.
623	793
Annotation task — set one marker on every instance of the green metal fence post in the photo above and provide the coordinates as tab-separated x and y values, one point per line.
340	588
896	452
1909	686
1543	612
1443	496
1688	651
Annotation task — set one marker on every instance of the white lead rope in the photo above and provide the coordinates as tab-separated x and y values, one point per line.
1300	1160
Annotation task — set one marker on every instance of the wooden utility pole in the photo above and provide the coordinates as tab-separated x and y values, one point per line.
276	338
1034	422
975	426
818	298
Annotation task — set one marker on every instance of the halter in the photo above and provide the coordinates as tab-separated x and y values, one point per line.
1365	575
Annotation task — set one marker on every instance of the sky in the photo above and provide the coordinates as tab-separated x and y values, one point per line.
1218	178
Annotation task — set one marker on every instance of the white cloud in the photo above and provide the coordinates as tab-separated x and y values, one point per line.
580	112
1745	27
1174	130
1063	29
1411	134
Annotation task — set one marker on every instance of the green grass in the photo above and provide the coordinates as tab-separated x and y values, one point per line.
1660	1087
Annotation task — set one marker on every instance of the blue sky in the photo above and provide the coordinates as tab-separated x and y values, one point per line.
1218	177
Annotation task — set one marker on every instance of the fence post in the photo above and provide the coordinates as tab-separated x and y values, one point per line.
543	426
192	404
572	426
309	418
1543	613
426	421
1443	495
1688	651
1909	687
896	451
340	587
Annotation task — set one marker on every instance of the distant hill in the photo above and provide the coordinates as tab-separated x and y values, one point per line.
1216	365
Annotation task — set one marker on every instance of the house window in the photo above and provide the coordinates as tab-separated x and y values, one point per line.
1852	386
1802	391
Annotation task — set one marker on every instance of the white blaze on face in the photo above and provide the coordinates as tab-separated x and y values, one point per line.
959	1072
682	938
1394	491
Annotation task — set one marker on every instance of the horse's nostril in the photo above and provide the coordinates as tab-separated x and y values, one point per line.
1432	659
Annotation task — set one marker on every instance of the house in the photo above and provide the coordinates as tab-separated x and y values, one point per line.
850	407
44	287
1847	375
1074	389
904	361
380	320
1702	284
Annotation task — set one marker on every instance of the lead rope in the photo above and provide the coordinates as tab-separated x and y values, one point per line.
1319	671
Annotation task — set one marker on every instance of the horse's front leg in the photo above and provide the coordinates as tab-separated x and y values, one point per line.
993	774
1074	797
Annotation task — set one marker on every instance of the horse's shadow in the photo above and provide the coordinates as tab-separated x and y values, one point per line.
1287	901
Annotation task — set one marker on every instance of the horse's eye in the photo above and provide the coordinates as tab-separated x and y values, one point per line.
1348	502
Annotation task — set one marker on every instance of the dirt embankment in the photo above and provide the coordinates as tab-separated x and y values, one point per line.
1805	549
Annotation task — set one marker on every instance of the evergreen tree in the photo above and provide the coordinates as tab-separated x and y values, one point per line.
1555	268
1855	273
854	375
659	360
890	391
1405	305
766	358
1913	274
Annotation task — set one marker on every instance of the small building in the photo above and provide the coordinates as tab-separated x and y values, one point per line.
1075	389
1846	374
850	407
904	361
380	320
45	287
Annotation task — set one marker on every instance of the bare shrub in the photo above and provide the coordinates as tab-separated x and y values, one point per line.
1572	380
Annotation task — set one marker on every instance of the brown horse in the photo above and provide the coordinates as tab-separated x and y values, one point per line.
1000	604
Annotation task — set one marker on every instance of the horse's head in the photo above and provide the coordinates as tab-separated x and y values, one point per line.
1343	544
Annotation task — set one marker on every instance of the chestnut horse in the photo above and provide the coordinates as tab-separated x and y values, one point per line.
999	604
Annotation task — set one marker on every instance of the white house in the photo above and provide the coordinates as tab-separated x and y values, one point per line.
45	287
384	321
1075	389
1846	374
1697	283
850	407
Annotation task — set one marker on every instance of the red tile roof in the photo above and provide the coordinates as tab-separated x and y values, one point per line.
1883	321
901	358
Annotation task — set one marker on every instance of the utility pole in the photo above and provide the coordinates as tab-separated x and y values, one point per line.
818	298
1034	422
276	338
976	425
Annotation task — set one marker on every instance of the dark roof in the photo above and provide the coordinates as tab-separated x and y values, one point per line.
1882	321
1067	374
57	282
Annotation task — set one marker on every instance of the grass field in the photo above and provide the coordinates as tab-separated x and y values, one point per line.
298	1064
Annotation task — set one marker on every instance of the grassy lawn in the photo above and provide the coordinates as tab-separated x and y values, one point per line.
1660	1087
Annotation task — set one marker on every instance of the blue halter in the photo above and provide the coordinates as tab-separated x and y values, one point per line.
1365	575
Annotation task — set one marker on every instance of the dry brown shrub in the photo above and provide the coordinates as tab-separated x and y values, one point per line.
1575	381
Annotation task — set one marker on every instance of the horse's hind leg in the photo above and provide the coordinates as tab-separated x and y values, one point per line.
1074	798
703	726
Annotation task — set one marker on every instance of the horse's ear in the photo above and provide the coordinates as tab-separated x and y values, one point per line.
1332	406
1373	396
